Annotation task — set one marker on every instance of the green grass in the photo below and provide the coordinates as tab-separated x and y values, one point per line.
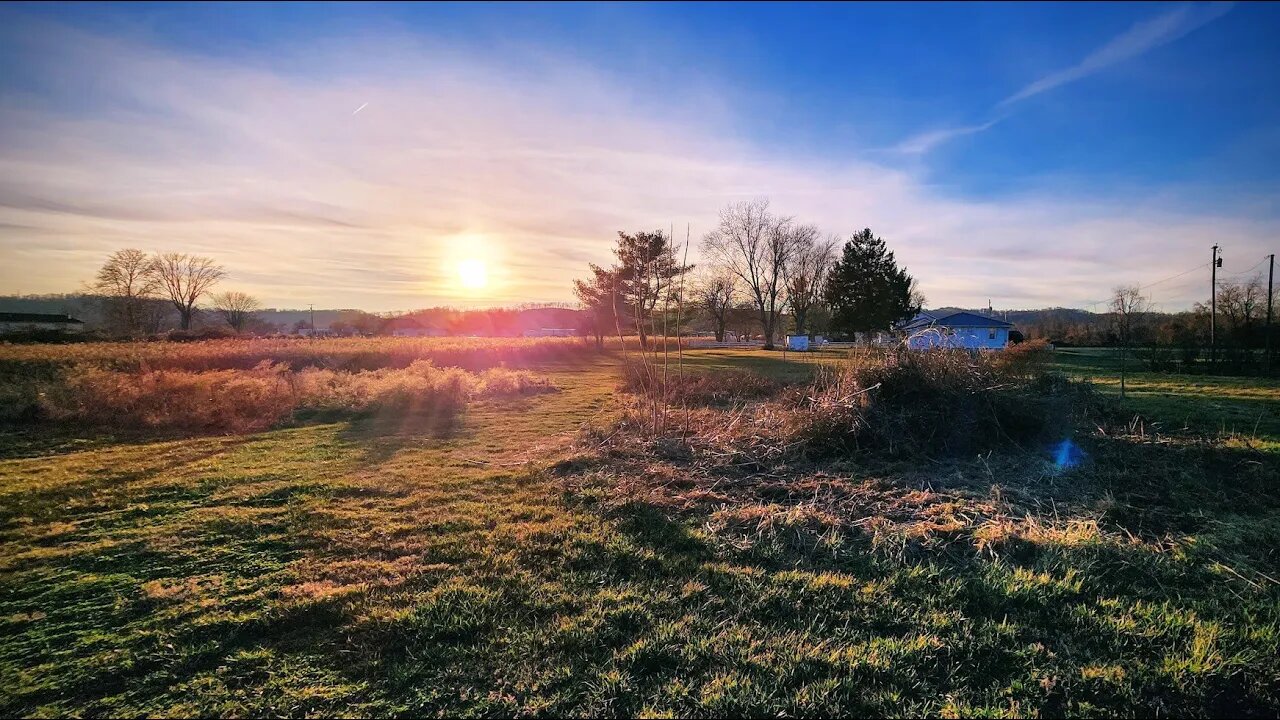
1247	408
377	567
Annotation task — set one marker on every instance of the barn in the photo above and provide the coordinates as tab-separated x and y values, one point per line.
11	322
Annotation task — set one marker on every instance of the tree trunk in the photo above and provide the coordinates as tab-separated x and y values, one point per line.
1124	346
766	324
185	317
799	316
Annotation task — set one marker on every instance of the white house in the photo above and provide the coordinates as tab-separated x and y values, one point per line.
956	330
24	322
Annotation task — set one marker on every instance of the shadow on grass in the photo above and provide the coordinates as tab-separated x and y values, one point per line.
1170	609
385	433
20	441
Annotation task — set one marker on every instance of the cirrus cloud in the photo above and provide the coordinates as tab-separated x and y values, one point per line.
531	165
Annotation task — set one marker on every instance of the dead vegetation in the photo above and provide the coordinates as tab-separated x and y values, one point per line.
908	454
258	398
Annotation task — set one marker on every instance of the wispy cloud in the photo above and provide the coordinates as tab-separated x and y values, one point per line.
455	155
1140	38
924	142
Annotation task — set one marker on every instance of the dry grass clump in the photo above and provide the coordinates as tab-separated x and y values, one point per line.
942	402
771	465
504	382
698	388
1024	360
905	405
263	396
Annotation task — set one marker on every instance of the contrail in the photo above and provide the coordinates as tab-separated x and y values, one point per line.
360	108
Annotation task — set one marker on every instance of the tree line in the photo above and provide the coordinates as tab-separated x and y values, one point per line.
138	289
1229	340
773	265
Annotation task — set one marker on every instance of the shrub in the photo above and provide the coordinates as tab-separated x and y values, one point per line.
938	402
504	382
1024	360
226	400
897	404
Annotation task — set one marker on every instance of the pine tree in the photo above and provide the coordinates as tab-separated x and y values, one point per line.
647	273
866	289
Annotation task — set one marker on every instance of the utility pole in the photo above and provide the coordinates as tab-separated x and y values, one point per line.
313	319
1271	271
1214	264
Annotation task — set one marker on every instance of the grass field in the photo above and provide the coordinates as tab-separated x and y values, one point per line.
1245	407
381	565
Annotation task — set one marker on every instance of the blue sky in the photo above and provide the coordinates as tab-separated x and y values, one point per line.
1034	154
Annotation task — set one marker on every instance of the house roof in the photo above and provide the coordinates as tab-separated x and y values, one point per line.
952	320
38	318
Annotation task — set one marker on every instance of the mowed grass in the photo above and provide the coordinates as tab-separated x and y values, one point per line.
379	567
1247	408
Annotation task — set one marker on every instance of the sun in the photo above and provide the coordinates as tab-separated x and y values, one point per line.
472	274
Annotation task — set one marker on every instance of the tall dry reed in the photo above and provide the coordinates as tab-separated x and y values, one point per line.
262	396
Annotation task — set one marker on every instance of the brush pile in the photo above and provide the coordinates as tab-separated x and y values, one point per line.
895	405
906	449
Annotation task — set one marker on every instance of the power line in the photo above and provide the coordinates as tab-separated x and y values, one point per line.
1150	284
1143	286
1255	265
1174	277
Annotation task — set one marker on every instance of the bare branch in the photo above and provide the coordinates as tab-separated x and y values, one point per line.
236	308
755	245
185	279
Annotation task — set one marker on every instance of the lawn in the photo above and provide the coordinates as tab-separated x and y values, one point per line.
379	566
1244	407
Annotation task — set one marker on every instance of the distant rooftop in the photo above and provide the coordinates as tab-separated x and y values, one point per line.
38	318
953	320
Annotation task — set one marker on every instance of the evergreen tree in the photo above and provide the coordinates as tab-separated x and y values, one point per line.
866	289
601	298
647	273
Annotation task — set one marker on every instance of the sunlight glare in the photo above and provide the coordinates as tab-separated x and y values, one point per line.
472	274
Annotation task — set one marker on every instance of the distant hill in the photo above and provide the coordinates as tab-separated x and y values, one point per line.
1066	325
496	321
1034	317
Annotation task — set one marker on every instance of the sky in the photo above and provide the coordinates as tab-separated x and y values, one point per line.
358	155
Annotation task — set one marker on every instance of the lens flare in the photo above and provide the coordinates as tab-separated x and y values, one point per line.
1067	454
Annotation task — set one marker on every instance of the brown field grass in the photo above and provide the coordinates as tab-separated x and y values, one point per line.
250	400
347	354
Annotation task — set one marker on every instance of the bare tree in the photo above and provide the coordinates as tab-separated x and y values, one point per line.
715	293
184	279
128	280
806	274
1243	305
236	308
755	245
1128	307
918	298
